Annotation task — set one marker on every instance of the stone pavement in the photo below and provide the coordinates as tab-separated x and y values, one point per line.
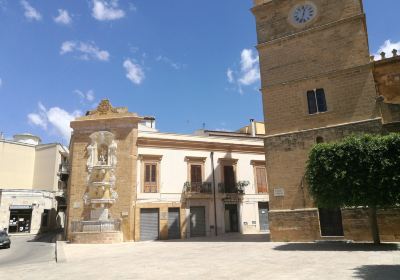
230	258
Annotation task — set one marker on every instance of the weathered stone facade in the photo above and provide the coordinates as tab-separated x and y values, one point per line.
124	127
330	51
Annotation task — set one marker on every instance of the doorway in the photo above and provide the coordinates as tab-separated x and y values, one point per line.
231	218
229	179
331	222
263	208
197	221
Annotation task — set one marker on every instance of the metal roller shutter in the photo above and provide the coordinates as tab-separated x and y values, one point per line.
197	221
173	223
149	224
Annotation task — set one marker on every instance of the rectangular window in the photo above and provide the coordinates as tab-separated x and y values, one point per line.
195	174
316	101
150	181
261	179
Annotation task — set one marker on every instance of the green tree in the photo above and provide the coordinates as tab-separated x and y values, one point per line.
360	171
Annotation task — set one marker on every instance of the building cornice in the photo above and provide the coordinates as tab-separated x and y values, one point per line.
199	145
321	128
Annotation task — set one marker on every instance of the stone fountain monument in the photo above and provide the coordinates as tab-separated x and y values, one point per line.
101	189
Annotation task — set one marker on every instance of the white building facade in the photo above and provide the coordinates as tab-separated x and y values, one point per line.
219	181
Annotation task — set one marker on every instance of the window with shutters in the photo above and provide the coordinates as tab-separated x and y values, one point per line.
150	179
316	101
195	173
260	176
150	173
261	179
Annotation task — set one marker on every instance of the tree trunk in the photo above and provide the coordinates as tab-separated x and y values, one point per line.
373	221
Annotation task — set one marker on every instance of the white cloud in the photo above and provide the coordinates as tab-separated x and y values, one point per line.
107	10
85	96
250	77
169	62
38	120
229	75
30	12
56	118
249	72
387	47
134	72
63	17
248	59
84	51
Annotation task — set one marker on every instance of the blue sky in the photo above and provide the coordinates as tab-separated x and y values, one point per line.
184	62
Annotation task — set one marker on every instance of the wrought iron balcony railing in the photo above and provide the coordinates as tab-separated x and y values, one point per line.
238	187
96	226
198	187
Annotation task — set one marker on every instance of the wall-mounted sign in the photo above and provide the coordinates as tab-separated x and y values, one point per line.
77	205
20	207
279	192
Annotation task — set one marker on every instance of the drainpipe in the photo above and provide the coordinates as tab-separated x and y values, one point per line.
214	191
253	128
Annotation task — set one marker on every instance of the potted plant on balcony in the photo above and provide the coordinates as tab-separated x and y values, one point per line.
241	185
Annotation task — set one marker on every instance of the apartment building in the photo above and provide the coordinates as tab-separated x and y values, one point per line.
33	180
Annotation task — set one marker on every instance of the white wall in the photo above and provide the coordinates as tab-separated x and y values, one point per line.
39	200
17	163
46	168
173	173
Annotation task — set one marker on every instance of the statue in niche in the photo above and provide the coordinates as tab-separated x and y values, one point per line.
113	153
102	155
91	151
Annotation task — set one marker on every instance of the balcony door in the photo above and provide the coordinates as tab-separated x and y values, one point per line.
229	178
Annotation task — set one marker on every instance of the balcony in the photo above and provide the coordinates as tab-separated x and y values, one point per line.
63	168
235	188
96	226
197	188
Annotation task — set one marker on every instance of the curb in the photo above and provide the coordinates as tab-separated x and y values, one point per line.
60	253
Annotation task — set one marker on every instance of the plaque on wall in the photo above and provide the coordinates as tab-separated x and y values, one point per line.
279	192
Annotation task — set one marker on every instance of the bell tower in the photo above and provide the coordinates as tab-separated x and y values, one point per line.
317	85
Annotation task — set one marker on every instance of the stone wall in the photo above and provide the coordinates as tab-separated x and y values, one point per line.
303	225
287	155
96	237
296	225
357	227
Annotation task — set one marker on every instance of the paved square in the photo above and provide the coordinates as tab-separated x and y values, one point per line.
236	257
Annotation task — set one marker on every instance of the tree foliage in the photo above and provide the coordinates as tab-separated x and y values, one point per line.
359	171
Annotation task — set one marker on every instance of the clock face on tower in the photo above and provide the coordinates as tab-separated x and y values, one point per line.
302	14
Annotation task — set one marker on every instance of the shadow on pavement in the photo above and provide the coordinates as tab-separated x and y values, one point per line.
378	272
336	246
48	237
236	237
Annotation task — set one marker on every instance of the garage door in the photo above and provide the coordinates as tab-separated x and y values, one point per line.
197	221
173	223
149	224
